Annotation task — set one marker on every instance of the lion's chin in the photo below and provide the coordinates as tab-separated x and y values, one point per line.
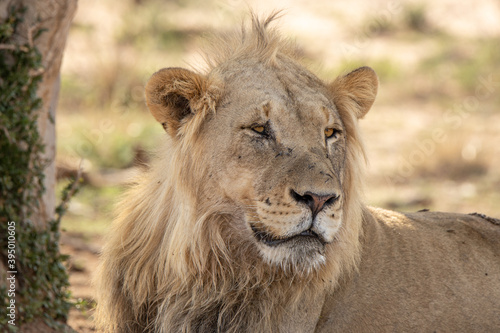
298	254
302	252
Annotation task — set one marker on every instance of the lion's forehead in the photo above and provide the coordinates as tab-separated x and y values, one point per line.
257	84
287	100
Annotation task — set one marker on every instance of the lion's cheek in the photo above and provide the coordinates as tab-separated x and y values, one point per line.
238	187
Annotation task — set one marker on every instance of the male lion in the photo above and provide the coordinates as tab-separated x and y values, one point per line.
250	219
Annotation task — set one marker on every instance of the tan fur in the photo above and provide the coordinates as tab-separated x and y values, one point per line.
185	255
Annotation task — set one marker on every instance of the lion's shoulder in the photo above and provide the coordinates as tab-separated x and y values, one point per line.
418	267
436	224
449	241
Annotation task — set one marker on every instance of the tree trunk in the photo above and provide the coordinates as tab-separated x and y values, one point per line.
54	17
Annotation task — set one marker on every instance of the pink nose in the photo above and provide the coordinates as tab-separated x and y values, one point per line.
315	202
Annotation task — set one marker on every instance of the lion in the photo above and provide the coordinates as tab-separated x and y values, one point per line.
251	216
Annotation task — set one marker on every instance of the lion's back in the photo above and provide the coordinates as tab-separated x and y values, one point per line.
425	271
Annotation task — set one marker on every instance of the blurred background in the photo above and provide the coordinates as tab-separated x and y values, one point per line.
432	136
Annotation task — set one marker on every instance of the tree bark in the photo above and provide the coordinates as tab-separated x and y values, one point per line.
54	16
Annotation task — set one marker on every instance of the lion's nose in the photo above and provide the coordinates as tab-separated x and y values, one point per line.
316	202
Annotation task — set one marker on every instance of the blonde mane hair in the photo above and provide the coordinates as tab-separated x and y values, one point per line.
259	40
175	260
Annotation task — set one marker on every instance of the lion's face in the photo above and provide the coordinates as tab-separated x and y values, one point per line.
279	144
274	149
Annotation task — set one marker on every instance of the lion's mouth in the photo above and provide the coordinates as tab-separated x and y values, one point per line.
270	240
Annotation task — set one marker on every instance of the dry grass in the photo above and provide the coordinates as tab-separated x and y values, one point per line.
456	159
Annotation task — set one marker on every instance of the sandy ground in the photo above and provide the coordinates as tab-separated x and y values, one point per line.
83	261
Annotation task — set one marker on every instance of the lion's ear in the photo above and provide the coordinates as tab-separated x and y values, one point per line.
356	91
174	95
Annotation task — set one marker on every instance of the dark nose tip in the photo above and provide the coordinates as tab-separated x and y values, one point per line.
316	202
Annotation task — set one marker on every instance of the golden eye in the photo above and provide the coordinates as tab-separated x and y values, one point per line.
259	129
331	132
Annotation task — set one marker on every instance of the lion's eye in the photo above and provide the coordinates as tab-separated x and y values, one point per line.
332	133
259	129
